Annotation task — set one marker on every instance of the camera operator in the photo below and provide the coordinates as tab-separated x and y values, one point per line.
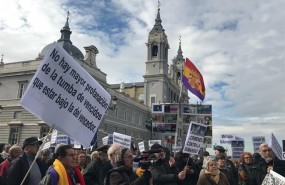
123	173
165	173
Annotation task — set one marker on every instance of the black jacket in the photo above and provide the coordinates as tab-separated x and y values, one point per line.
163	174
95	172
18	169
259	169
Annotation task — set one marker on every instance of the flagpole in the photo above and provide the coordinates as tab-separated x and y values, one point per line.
179	109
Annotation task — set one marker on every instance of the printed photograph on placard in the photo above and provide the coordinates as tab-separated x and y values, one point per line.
171	108
185	128
170	118
208	120
188	118
169	139
208	140
158	127
237	143
200	119
204	109
157	108
189	109
197	129
158	118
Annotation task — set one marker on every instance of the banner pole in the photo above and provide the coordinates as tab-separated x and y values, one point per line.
37	155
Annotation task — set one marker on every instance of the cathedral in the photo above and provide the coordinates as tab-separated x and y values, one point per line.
131	107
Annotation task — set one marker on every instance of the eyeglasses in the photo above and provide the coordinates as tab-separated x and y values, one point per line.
248	157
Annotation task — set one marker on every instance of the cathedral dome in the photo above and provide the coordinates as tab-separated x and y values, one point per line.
66	43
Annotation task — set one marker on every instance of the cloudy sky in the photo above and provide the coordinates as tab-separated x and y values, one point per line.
237	45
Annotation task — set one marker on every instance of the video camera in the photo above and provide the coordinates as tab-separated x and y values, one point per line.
146	160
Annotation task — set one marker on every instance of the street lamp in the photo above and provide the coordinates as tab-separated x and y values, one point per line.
114	102
1	108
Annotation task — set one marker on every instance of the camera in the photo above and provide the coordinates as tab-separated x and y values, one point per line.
146	160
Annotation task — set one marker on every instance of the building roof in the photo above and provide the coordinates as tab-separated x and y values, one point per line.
126	85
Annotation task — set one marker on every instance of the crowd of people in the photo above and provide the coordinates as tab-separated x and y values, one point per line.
114	165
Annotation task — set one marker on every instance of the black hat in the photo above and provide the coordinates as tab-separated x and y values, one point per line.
156	146
31	141
103	148
219	148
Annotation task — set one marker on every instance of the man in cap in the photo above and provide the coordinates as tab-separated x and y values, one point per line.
165	172
20	166
221	150
95	172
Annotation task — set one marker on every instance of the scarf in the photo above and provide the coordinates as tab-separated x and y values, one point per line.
215	175
64	178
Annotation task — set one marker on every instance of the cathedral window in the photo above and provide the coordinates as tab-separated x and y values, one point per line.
154	50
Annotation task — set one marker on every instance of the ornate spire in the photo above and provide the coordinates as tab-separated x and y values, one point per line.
65	31
157	26
179	52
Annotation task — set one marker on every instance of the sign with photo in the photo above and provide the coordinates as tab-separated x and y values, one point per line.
195	138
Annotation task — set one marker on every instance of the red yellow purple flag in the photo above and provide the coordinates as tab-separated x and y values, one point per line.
193	80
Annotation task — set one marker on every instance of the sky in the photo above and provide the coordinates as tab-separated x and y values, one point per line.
238	46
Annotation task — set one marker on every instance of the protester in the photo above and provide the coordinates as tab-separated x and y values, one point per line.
123	172
5	152
64	170
94	155
14	152
81	160
266	163
20	166
219	149
211	175
221	164
165	172
185	163
113	149
96	171
245	169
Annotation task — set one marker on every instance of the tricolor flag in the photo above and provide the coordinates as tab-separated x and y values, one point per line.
193	80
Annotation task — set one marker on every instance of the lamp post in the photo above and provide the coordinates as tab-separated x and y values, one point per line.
114	103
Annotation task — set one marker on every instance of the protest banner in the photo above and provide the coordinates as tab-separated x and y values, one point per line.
227	138
76	145
273	178
275	146
53	136
64	139
237	147
141	146
195	138
257	141
151	142
105	140
122	139
66	97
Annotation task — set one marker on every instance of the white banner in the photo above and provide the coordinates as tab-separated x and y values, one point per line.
275	146
64	139
257	141
227	138
273	178
53	136
76	145
105	140
195	138
141	146
151	142
66	97
122	139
